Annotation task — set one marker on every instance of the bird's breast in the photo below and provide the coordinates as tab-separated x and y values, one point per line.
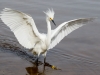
43	46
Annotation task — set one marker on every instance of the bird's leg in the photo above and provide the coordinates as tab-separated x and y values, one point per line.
36	61
44	59
47	64
37	64
44	62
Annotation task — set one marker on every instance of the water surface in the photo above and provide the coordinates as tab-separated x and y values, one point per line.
78	53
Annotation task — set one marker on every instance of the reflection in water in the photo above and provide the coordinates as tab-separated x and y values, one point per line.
35	71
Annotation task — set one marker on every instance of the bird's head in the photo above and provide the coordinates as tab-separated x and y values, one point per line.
50	15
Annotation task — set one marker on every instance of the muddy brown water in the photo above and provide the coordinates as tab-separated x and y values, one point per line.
76	54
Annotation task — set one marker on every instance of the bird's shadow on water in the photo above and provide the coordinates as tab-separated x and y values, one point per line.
34	70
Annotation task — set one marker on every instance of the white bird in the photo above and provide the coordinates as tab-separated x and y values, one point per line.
27	34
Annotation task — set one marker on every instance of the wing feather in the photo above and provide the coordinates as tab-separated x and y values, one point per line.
22	26
66	28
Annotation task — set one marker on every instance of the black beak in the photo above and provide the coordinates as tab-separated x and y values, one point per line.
54	22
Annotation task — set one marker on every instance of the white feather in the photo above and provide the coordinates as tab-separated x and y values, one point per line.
26	32
66	28
22	26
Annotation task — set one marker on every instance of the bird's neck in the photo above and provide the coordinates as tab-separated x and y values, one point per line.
48	32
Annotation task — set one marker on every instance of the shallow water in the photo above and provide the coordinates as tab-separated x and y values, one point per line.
78	53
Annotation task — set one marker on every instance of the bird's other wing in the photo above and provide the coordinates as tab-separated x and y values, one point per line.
22	25
66	28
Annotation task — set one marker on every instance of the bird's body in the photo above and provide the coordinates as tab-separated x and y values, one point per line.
26	32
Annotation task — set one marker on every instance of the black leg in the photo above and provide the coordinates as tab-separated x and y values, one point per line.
45	57
44	63
44	60
36	61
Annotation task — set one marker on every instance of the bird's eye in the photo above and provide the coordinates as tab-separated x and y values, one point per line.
50	19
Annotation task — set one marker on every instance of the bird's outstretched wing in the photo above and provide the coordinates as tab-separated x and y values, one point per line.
66	28
22	25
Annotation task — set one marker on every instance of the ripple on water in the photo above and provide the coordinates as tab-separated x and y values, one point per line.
82	54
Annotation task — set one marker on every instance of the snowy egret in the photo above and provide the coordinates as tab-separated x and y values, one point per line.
27	34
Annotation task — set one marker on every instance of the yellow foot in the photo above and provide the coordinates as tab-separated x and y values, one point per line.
51	66
54	67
